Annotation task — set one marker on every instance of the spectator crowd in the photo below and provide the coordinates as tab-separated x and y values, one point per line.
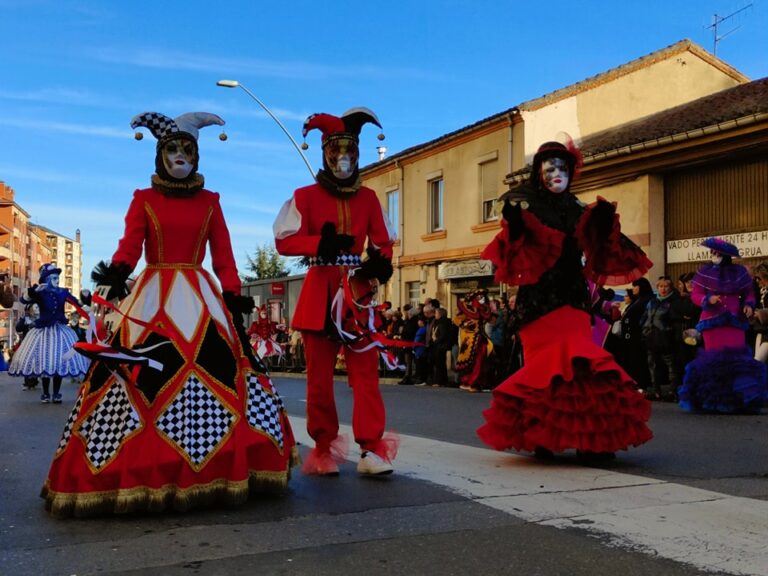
652	335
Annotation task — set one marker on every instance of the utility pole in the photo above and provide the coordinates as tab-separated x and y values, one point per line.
717	20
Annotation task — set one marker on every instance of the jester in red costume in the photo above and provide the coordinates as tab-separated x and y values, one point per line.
570	393
262	330
475	347
329	223
197	420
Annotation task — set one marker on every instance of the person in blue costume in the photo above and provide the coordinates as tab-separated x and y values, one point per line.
724	377
44	350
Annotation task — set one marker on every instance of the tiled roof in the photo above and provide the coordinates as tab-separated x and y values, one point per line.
733	103
730	104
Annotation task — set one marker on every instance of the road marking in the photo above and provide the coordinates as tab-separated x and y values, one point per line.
706	529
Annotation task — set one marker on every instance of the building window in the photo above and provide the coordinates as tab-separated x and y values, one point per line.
414	292
393	210
436	223
489	189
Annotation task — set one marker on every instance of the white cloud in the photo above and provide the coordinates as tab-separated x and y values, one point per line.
175	60
56	95
67	128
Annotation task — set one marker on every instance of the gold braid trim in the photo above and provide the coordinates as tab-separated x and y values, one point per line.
143	498
202	235
158	230
329	183
177	187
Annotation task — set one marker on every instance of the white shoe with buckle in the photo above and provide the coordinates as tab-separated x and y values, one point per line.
371	464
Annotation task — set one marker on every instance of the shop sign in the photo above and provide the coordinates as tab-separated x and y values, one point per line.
278	288
464	269
750	245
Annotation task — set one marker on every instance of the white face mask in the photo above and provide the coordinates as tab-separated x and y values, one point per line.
715	257
343	167
178	158
554	175
342	155
53	280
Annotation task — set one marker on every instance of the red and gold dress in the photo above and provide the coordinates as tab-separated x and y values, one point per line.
209	425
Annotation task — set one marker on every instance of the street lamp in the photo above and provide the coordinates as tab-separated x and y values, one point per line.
236	84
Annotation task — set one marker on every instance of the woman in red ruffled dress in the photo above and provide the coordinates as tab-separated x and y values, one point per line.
570	393
197	420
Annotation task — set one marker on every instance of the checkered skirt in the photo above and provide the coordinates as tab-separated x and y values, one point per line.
204	428
42	352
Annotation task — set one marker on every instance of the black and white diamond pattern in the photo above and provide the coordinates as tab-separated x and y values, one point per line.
70	424
113	419
158	124
195	421
263	409
341	260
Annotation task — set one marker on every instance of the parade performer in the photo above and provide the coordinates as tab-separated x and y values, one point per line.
23	326
200	421
263	330
43	351
724	377
570	393
475	348
328	223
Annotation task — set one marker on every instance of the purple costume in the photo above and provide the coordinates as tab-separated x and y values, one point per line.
724	377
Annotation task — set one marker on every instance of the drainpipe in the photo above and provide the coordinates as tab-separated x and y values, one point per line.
510	142
401	229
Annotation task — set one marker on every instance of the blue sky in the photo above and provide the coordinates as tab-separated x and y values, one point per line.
73	74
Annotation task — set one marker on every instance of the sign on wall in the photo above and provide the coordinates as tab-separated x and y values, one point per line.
465	269
750	245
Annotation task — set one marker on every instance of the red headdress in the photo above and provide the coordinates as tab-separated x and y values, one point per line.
347	126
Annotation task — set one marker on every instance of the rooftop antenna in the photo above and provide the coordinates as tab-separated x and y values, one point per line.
717	20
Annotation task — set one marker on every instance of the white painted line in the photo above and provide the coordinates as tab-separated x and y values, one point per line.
709	530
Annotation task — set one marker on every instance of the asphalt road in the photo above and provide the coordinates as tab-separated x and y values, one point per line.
694	500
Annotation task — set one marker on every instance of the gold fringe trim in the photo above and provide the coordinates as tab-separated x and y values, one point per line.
143	498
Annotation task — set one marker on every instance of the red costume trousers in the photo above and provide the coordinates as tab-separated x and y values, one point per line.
368	417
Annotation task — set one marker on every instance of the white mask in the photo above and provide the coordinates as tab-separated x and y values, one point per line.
554	175
53	280
178	158
343	167
716	258
341	156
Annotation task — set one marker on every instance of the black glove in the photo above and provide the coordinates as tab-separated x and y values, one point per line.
513	214
85	297
32	292
237	304
332	244
602	218
376	266
115	275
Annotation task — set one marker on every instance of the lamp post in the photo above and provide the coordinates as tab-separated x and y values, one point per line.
236	84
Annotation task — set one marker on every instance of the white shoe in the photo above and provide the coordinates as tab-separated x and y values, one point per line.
371	464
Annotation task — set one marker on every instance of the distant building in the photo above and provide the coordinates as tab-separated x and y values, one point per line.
24	247
441	195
